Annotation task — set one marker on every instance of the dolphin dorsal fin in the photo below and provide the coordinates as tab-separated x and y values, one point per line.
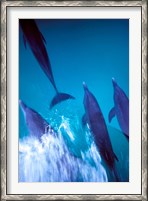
112	114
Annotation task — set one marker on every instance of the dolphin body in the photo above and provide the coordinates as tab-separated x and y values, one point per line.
35	122
36	41
94	117
120	109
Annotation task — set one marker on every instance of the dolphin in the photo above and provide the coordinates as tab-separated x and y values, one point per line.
94	118
36	124
36	41
120	109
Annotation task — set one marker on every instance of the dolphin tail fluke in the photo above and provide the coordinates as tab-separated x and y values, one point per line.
59	97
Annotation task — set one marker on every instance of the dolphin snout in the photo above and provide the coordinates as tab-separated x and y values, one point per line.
114	82
20	102
84	85
23	106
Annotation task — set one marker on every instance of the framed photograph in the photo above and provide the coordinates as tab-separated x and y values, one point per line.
73	100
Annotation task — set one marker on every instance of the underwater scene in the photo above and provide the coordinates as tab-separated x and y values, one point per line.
73	100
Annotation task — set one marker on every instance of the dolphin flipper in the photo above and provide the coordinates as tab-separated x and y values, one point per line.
59	97
84	120
43	37
111	114
116	157
127	137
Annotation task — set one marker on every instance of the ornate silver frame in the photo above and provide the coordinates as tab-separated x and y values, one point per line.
4	5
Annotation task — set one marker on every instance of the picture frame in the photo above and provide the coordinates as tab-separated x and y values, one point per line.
5	5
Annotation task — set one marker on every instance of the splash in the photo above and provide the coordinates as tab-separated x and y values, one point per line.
51	159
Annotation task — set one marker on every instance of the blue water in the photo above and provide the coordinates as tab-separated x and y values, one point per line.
90	50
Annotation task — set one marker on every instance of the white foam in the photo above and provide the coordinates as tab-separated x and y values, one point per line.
49	160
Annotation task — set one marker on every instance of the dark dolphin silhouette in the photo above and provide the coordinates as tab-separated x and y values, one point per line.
120	109
98	128
36	124
36	41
